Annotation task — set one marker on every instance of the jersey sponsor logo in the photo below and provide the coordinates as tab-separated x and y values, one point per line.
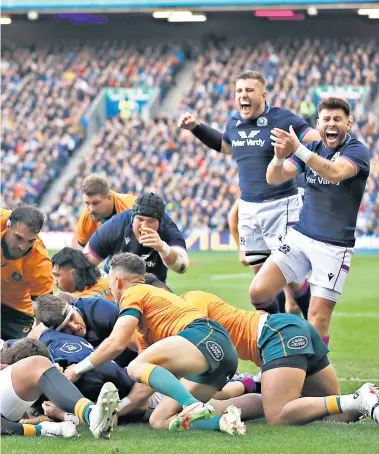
248	135
284	248
297	342
215	350
262	121
16	276
71	347
248	142
330	276
150	264
317	179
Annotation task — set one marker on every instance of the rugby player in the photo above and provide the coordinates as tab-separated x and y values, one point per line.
175	341
100	205
147	231
74	273
294	363
265	212
29	373
90	318
322	241
26	270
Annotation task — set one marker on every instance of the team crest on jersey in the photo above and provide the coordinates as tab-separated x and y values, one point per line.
16	276
262	121
215	350
71	347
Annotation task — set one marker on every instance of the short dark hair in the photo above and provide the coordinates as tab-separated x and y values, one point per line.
255	75
23	348
95	185
334	104
151	279
51	310
87	273
129	262
28	215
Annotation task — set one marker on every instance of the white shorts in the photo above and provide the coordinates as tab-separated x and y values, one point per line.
329	265
261	226
11	406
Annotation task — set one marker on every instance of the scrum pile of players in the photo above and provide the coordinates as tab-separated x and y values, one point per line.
125	340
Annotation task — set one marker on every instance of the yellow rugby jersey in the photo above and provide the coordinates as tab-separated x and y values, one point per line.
100	290
241	325
86	227
163	314
30	275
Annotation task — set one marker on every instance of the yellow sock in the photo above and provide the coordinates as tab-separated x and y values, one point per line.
333	405
81	409
146	373
29	430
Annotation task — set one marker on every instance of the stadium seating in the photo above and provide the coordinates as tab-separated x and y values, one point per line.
198	185
45	93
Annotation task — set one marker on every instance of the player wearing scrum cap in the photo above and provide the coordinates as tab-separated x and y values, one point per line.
146	231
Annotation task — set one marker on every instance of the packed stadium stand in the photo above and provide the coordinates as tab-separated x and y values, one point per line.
46	92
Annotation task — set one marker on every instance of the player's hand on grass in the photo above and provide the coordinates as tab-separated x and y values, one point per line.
52	411
151	238
71	374
284	143
187	121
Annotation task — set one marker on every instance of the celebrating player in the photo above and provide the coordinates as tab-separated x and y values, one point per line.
322	241
100	205
265	212
175	339
146	231
23	382
74	273
26	270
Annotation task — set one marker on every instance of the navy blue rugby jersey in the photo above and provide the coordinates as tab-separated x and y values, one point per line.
116	235
330	211
252	150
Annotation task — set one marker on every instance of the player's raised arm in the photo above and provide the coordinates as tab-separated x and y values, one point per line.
207	135
335	172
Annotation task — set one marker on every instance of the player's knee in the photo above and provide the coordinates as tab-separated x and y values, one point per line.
135	370
257	291
155	421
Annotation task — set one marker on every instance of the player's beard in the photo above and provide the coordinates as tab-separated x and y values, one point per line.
339	140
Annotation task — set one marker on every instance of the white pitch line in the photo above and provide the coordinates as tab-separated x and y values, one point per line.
221	277
371	380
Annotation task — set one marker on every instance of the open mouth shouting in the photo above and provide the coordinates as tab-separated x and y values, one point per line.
331	136
245	106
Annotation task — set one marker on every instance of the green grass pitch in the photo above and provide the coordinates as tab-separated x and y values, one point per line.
354	353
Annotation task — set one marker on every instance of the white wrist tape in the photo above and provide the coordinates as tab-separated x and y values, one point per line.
181	263
124	403
166	250
303	153
72	418
277	162
84	366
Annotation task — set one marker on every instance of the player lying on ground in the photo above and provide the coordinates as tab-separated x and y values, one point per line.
90	318
22	383
294	363
175	339
322	241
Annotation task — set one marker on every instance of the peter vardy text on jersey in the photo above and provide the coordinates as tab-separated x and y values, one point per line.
248	142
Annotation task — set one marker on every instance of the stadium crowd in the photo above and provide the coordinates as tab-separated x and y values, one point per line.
46	92
199	186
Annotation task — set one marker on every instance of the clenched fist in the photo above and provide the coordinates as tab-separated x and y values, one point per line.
187	121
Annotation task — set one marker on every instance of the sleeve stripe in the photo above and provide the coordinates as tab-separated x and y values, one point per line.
301	137
352	162
133	312
91	251
298	166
